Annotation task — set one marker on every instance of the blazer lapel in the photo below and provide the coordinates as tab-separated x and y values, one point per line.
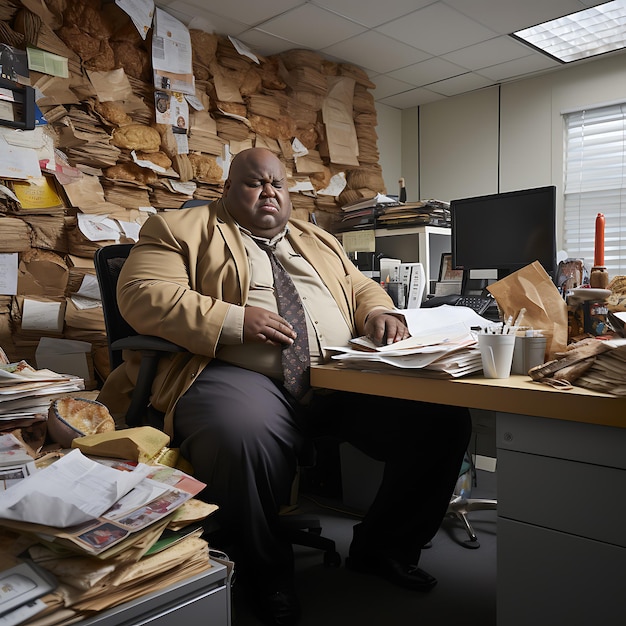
229	231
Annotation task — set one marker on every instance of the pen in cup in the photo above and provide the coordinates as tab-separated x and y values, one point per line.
520	315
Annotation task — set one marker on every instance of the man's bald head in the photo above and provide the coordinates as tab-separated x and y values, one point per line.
256	193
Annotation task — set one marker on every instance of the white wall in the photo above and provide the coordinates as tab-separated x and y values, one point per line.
532	121
410	153
499	138
459	146
389	132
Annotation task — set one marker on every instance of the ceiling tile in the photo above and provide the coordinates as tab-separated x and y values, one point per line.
455	30
245	11
311	27
488	53
536	62
371	14
507	16
376	52
264	43
214	24
412	98
387	86
460	84
429	71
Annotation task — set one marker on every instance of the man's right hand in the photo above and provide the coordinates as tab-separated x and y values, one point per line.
263	326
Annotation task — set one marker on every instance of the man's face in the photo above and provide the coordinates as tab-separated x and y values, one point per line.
256	192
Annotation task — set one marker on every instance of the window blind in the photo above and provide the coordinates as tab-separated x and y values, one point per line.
595	182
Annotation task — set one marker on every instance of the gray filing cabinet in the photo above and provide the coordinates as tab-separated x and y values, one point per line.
203	599
561	522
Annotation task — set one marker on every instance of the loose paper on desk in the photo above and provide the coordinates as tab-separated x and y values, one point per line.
436	335
429	327
416	358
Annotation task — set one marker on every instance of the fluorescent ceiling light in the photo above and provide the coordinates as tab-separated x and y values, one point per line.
580	35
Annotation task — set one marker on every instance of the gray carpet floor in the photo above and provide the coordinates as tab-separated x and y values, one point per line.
464	595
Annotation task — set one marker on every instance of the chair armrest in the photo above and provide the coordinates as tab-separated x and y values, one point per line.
151	349
146	342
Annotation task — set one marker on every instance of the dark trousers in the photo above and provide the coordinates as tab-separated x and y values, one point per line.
243	436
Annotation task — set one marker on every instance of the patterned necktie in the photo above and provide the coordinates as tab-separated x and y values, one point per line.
295	357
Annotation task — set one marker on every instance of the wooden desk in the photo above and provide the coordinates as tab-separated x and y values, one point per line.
561	512
517	394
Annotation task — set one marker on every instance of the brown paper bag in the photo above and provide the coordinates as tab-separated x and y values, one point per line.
532	289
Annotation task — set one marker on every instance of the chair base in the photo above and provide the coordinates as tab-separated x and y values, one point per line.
306	530
459	507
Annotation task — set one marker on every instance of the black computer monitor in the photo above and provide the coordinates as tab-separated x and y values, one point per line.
505	231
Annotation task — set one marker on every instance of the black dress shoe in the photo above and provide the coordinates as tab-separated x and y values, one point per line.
275	608
401	574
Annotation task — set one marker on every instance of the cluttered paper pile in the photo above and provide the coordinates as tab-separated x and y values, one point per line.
90	533
25	392
593	363
442	344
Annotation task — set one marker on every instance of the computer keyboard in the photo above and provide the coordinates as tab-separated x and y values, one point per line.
479	303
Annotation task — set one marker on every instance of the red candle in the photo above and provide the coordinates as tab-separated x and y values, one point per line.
598	258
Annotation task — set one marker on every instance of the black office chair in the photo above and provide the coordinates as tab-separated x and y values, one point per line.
121	336
303	530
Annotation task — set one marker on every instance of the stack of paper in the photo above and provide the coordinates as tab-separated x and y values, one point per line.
26	393
308	79
368	144
231	129
163	198
127	194
85	141
203	134
266	106
442	344
379	200
362	213
108	530
454	355
208	192
422	212
303	202
14	235
608	370
46	231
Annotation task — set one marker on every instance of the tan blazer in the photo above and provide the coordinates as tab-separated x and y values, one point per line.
180	277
